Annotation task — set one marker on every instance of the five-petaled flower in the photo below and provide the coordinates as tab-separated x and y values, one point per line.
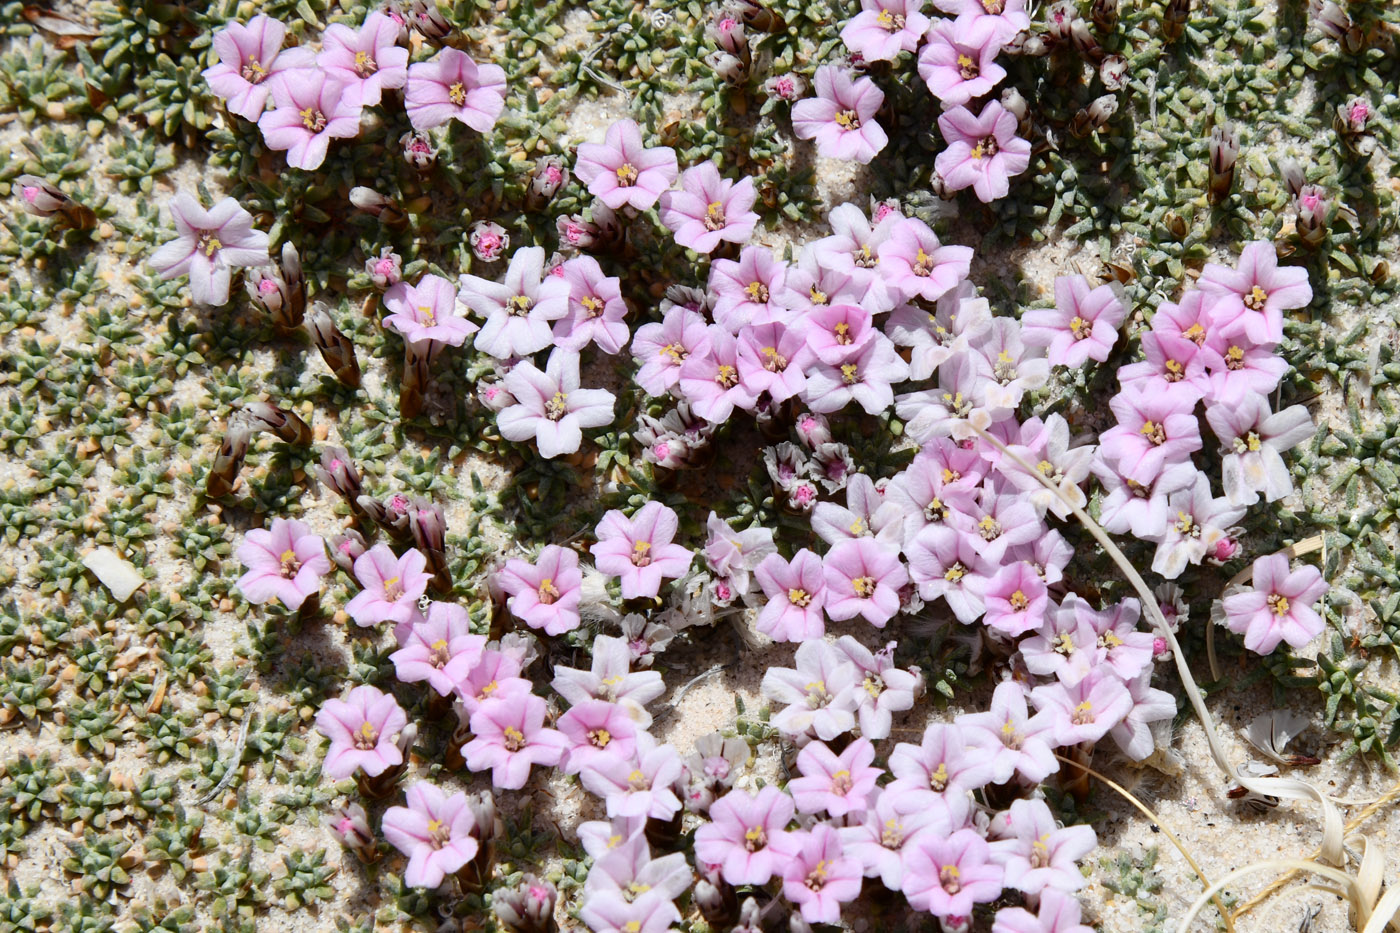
209	245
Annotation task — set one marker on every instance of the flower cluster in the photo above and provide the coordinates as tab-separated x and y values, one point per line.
317	97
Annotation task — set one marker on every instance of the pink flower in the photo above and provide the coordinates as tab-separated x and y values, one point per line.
426	313
1058	913
983	151
865	377
946	875
440	649
709	209
497	677
661	349
596	729
863	578
434	831
550	407
747	291
950	761
209	245
510	738
796	592
1009	14
391	584
454	87
1252	442
285	563
916	265
640	787
747	835
1278	608
884	689
639	550
841	118
369	60
251	63
621	171
820	877
1037	853
877	839
1083	325
772	358
596	309
711	383
1012	741
834	784
944	562
362	728
611	680
958	63
884	28
517	309
1015	599
1237	366
1173	365
1251	298
819	692
545	595
1154	432
1086	711
312	108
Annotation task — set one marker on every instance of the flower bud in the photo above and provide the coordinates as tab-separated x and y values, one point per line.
549	175
1224	150
1104	13
1330	19
1292	174
716	900
350	824
294	284
576	232
418	150
1313	208
1353	125
378	205
429	528
788	86
424	16
346	547
268	290
42	199
393	10
385	269
492	394
1082	38
1113	72
528	907
1174	18
229	460
1094	117
731	69
265	416
1059	19
336	348
488	240
337	471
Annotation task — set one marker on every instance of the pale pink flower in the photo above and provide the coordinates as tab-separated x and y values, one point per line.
747	835
622	171
1082	326
550	406
426	314
958	63
884	28
596	309
1279	607
510	738
709	209
519	308
639	550
251	63
983	151
285	563
454	87
841	118
796	593
819	878
1251	298
362	729
369	60
946	875
544	595
209	245
312	108
916	265
434	831
391	584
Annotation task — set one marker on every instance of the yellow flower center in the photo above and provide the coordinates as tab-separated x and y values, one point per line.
1279	604
1019	601
714	216
513	739
864	587
799	597
547	591
365	64
847	120
457	94
849	374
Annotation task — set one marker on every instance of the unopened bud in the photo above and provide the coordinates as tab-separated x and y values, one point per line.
1292	174
1094	117
386	269
378	205
1113	72
788	86
336	348
346	547
266	416
338	471
1224	151
350	824
418	150
488	240
42	199
1313	208
494	395
1104	13
424	16
229	459
1174	18
528	907
550	174
429	527
576	232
